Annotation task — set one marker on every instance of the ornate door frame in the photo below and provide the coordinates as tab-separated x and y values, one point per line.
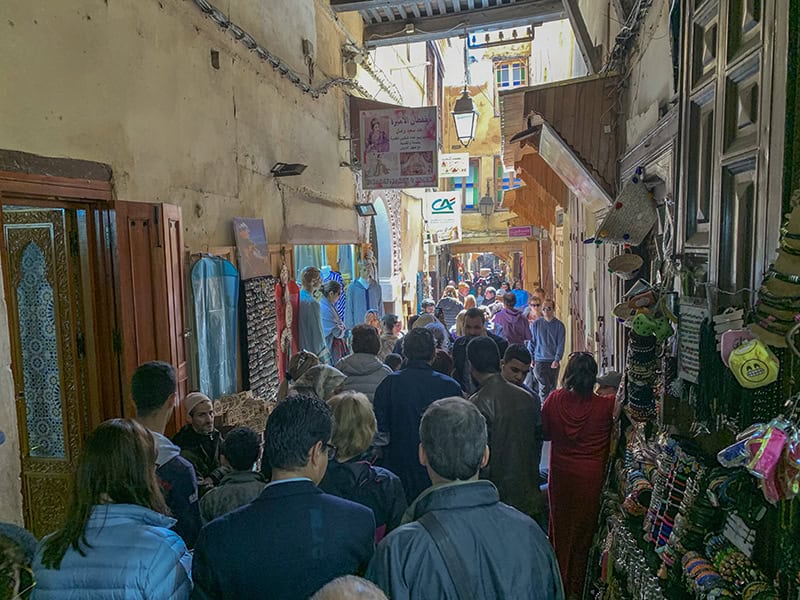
91	391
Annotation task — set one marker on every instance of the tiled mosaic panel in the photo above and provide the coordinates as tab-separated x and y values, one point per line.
37	328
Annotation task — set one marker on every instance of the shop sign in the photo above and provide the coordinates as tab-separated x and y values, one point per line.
454	165
442	214
399	148
523	231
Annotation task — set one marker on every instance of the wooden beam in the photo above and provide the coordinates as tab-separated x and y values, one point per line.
590	55
518	14
358	5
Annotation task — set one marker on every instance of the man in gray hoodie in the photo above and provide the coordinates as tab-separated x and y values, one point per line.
363	368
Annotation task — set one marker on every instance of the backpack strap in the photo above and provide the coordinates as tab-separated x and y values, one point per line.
452	561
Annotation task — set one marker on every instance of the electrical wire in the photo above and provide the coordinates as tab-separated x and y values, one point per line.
277	64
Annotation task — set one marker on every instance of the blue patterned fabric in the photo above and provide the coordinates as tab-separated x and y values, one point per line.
215	283
342	301
40	367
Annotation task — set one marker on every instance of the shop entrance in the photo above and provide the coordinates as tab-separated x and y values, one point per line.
54	303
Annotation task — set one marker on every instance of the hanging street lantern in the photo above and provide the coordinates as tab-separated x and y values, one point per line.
465	118
486	204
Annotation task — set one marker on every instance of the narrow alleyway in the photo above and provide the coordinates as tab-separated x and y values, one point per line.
460	299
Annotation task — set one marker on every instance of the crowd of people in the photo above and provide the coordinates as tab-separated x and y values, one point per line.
399	472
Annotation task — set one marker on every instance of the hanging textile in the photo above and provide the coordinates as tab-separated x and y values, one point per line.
346	260
215	284
309	256
287	304
261	337
341	303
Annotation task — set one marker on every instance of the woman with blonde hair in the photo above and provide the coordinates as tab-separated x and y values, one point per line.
298	364
350	475
115	541
371	318
470	302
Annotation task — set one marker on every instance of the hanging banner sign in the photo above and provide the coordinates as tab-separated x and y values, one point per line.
399	148
442	214
454	165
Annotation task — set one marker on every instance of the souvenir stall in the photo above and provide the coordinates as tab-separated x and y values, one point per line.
701	493
244	305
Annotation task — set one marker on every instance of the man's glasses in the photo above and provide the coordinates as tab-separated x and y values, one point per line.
332	450
534	305
547	308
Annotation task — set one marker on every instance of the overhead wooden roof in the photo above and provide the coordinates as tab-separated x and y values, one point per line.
582	111
389	22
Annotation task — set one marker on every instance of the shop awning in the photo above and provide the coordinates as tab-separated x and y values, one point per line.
543	191
572	126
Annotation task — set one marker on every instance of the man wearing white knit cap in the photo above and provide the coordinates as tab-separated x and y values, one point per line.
199	441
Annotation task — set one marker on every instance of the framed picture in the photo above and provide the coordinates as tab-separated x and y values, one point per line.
251	247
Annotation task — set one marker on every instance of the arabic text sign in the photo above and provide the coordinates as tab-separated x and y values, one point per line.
399	148
522	231
442	213
454	165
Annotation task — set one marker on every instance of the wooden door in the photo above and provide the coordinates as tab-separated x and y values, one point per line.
733	72
151	293
46	294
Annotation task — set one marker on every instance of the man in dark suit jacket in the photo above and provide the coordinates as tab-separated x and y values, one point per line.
400	400
293	538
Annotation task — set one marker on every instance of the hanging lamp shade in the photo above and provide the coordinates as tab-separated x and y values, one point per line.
465	118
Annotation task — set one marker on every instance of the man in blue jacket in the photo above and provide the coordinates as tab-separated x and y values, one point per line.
400	400
462	541
293	538
153	388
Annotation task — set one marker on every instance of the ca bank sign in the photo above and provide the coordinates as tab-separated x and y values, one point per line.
442	213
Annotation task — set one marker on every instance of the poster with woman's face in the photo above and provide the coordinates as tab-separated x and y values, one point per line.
251	247
399	148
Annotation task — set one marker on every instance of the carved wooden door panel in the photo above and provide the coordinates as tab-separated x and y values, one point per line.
45	294
150	263
733	65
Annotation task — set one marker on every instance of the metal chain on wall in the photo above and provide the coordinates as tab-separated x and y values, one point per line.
275	62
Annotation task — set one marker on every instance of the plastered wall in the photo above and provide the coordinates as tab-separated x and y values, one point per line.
131	84
650	81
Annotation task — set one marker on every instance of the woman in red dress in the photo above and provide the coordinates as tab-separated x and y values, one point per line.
578	422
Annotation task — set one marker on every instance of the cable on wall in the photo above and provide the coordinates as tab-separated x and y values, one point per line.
277	64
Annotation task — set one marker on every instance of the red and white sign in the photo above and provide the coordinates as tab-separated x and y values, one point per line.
523	231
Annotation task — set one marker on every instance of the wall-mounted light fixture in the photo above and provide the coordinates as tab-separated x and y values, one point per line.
367	209
287	169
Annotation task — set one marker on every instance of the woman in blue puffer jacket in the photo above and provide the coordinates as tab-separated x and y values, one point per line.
115	543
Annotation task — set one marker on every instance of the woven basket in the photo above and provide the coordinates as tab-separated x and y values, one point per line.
631	218
626	265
